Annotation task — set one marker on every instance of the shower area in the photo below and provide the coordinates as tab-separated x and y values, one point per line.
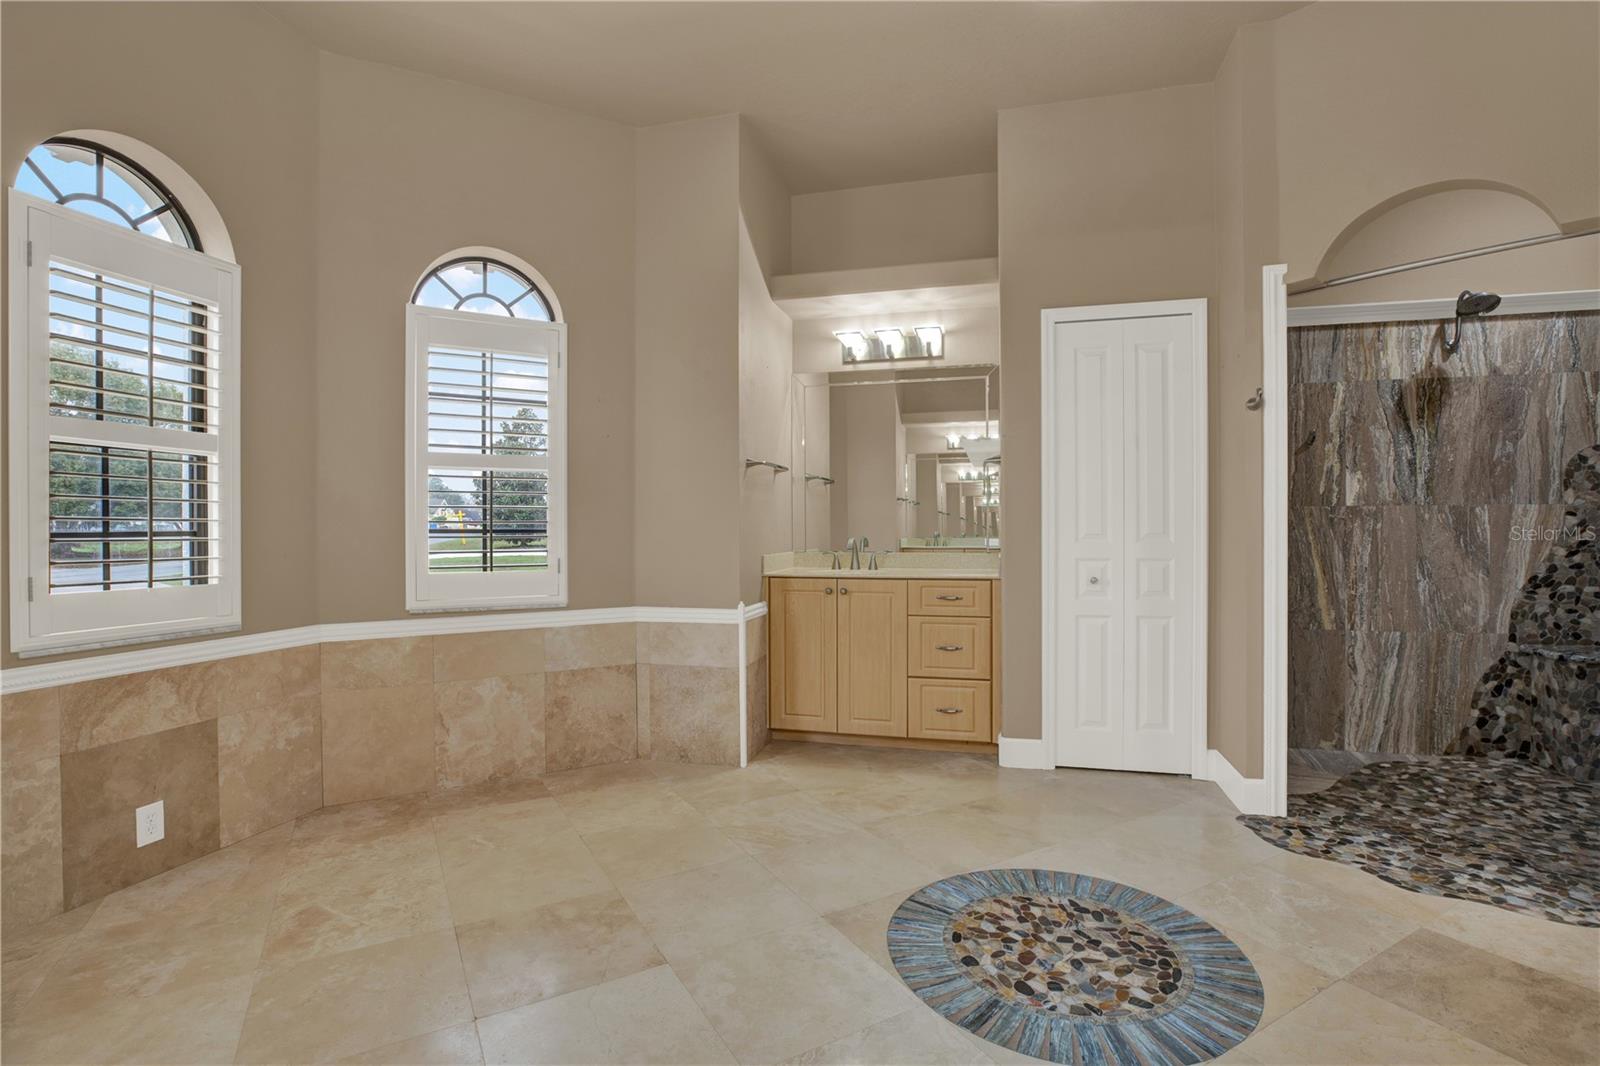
1444	601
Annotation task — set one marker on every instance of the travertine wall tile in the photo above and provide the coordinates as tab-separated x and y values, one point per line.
376	742
269	762
30	726
469	656
101	787
583	647
760	728
689	644
247	681
755	638
591	717
694	714
488	729
393	662
114	709
30	842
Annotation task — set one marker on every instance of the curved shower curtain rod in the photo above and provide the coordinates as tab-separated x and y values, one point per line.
1417	264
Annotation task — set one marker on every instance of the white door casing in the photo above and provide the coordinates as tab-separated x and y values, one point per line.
1124	483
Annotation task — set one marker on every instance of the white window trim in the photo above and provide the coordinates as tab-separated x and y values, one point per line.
40	626
427	591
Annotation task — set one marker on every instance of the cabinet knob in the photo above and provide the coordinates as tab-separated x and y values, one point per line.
948	710
827	592
951	647
844	592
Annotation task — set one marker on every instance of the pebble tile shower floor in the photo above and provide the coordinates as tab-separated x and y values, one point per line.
665	913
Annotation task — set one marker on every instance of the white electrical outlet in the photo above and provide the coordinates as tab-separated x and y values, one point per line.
149	823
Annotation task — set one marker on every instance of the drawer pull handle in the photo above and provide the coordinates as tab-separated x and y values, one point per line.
948	710
951	647
951	597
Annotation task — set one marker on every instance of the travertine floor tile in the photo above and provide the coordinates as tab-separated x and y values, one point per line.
867	926
1507	1006
332	1006
918	1035
1570	952
778	822
483	883
839	871
455	1046
657	848
519	958
714	905
659	1023
779	994
1344	1026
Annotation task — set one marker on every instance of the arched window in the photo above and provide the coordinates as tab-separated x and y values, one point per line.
105	184
129	517
477	283
486	436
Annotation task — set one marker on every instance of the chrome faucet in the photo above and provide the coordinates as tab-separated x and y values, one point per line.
854	546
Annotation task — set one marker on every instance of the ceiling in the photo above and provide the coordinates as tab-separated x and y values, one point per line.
840	94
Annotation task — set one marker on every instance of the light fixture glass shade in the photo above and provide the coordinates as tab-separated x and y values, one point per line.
854	345
894	343
982	449
930	341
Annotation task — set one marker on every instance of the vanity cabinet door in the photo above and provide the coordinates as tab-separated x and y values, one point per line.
803	674
872	657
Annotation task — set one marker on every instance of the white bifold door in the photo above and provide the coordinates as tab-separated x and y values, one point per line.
1124	481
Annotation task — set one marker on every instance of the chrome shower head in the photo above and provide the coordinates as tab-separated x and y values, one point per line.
1468	305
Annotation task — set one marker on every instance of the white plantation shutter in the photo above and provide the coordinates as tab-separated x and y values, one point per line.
124	434
486	464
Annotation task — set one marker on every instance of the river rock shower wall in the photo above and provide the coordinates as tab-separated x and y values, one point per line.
1424	488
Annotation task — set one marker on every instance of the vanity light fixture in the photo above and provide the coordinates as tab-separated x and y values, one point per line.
953	440
930	341
893	342
855	345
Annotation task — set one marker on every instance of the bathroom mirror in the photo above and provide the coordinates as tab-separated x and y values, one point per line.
909	459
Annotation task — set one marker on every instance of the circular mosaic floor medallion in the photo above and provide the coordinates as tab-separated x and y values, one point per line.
1075	969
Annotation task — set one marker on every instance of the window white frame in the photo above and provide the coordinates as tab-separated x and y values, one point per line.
42	623
493	590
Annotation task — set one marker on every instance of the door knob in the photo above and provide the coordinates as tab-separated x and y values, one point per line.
1094	581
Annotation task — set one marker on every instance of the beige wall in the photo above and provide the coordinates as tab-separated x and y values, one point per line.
1377	100
686	413
1101	201
1453	221
238	113
889	225
467	166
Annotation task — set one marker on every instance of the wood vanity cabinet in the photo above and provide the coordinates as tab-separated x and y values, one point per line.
883	657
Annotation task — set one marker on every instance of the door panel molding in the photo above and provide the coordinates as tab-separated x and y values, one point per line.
1158	570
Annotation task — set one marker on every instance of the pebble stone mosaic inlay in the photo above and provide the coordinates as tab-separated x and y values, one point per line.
1495	831
1075	969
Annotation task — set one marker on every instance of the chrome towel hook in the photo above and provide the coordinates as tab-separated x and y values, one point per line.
1253	403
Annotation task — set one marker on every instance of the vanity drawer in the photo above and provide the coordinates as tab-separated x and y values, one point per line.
968	599
949	647
949	710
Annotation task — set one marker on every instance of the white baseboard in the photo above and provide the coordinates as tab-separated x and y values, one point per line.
1022	753
1250	794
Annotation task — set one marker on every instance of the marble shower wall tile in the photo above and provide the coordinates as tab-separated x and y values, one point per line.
101	787
591	714
1421	485
30	841
694	713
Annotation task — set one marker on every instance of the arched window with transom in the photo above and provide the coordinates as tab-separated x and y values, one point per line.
486	436
127	525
